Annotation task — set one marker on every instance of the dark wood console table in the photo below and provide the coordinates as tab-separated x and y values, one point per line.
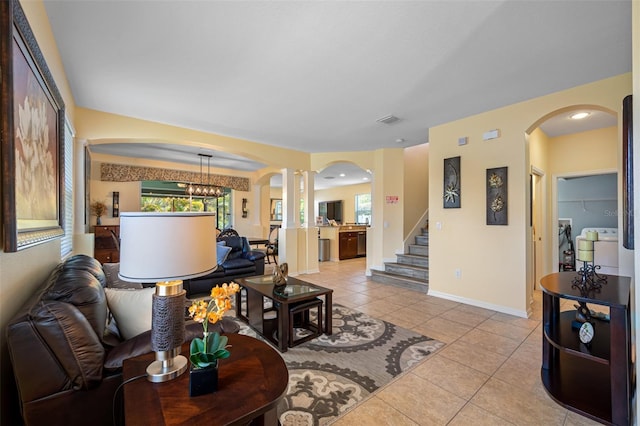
251	383
593	380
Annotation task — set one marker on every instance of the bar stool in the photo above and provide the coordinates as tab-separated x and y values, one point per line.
300	311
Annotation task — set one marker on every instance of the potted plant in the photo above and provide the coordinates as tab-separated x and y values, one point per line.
205	352
98	208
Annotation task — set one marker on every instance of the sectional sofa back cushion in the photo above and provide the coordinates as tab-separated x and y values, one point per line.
238	246
57	335
111	271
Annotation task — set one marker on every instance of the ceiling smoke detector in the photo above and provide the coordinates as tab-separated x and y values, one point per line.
389	119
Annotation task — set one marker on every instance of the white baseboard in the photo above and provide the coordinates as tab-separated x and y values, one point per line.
480	304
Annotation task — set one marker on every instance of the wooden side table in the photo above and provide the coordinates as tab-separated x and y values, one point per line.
593	380
251	383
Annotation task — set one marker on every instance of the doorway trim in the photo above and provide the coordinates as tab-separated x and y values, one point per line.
539	206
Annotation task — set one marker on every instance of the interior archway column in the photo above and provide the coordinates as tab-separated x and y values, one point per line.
255	210
309	228
385	235
288	233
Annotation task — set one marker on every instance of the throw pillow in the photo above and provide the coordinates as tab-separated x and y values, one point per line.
113	280
223	253
131	309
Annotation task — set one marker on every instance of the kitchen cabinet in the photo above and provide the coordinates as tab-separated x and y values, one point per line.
107	243
348	245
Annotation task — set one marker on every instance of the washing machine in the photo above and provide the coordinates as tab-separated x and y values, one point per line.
605	250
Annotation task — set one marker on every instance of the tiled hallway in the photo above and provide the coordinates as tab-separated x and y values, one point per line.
487	374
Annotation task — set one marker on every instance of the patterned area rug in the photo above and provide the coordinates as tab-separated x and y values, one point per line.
330	375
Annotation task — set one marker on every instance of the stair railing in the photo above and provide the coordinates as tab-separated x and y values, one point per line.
415	231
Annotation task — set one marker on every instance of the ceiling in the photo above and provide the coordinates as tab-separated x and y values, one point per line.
317	76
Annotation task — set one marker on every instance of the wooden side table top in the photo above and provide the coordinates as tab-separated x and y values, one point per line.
251	383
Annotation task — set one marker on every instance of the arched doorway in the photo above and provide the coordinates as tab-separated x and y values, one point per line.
561	147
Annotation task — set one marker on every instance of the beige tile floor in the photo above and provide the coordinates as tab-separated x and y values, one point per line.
488	373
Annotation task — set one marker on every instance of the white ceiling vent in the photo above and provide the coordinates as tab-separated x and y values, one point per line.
389	119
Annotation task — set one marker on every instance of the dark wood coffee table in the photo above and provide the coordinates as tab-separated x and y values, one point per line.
296	290
251	383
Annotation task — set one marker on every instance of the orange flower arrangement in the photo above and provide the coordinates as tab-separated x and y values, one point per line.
207	351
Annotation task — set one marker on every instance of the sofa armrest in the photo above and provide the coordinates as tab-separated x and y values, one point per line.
254	255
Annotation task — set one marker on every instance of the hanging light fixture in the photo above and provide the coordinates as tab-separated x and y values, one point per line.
204	189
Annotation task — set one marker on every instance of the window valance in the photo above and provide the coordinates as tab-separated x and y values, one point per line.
125	173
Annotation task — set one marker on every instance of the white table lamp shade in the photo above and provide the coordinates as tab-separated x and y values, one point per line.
166	246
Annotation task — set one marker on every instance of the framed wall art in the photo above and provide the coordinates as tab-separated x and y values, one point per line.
32	137
451	186
627	173
497	196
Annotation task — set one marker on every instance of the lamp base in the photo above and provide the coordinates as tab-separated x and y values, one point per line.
163	371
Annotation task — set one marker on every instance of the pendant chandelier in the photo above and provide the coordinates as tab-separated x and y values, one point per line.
204	189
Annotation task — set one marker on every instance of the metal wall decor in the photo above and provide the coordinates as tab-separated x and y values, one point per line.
451	186
116	204
497	196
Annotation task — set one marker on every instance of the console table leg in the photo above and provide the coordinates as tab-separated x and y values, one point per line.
620	354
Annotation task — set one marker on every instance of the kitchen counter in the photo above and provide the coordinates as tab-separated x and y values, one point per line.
346	241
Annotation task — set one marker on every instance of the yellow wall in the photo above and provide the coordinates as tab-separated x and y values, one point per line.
348	196
583	152
385	236
96	127
22	272
416	185
363	159
538	156
589	152
599	151
493	259
539	149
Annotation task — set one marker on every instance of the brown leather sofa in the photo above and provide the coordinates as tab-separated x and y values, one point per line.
66	367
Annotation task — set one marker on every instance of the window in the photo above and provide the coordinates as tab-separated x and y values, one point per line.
276	209
161	196
222	207
363	208
66	244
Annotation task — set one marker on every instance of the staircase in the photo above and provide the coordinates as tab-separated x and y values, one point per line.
411	270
